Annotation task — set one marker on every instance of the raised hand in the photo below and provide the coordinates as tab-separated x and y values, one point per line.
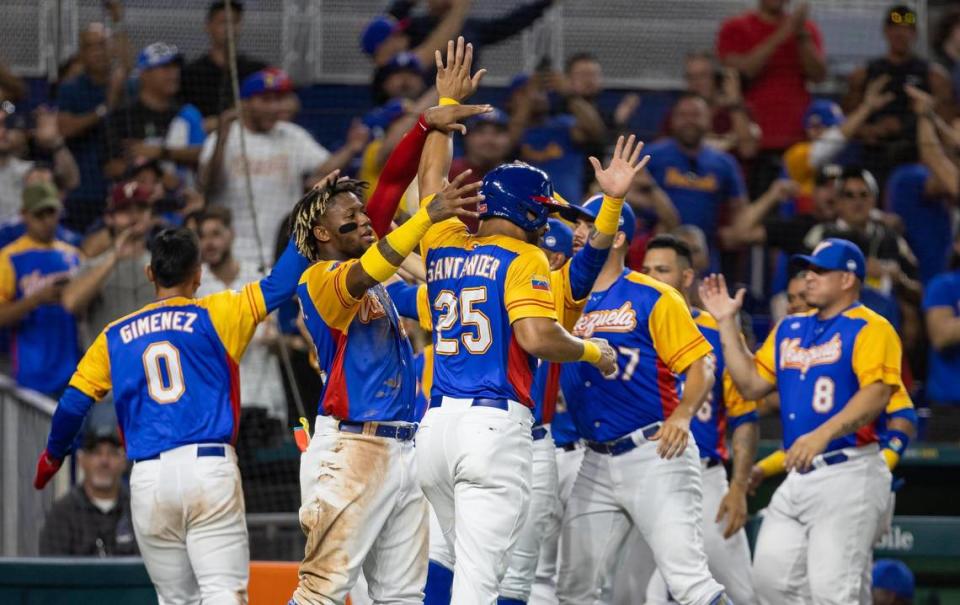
615	179
922	101
453	79
446	118
717	300
452	199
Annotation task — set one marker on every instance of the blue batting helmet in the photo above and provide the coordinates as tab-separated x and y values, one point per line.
518	193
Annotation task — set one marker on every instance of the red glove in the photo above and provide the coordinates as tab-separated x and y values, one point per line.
47	467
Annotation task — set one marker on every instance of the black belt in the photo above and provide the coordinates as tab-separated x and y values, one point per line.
570	447
500	404
538	432
829	459
711	462
622	445
203	451
404	432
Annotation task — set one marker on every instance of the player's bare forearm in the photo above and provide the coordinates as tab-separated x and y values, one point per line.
545	339
434	163
744	443
740	364
863	408
699	379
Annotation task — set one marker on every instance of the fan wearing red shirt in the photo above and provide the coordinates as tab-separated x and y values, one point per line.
777	53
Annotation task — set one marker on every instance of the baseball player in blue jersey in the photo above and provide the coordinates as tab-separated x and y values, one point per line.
173	369
669	260
493	312
640	468
835	369
361	504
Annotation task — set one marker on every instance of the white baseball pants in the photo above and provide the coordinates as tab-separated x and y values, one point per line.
662	498
475	469
361	506
542	520
544	590
188	516
728	559
818	532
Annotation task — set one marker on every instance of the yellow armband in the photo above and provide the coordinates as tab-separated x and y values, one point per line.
591	352
890	457
448	101
773	464
608	218
402	240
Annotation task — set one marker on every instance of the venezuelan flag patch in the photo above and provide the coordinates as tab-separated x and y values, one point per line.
540	283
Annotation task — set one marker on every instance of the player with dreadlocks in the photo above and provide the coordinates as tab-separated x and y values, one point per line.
360	502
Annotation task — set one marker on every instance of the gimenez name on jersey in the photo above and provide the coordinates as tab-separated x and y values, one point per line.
181	321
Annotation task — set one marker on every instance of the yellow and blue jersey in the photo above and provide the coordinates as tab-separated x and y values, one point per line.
649	325
477	287
818	365
45	345
725	406
173	367
369	373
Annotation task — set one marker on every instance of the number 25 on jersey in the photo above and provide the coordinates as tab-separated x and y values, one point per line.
464	307
161	364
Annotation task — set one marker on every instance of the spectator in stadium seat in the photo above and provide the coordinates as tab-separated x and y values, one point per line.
400	78
113	283
138	129
486	146
93	519
33	272
22	145
702	182
15	228
655	214
479	31
941	307
206	79
84	103
777	53
282	155
260	383
827	132
12	87
732	128
553	143
889	136
892	583
385	36
946	46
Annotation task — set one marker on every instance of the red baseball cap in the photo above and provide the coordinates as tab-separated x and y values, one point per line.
130	193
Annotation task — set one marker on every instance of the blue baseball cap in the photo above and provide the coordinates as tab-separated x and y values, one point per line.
895	576
518	81
378	30
381	117
271	79
158	54
495	117
558	238
833	254
822	112
628	220
405	61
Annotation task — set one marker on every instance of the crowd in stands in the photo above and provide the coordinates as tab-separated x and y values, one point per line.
748	167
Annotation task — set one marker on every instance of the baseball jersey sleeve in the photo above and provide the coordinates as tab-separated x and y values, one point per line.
526	291
739	410
8	279
938	292
877	354
92	377
327	287
765	357
235	316
901	405
676	338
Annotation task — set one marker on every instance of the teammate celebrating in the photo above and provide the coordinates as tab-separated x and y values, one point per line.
173	368
638	470
835	370
669	260
361	504
492	309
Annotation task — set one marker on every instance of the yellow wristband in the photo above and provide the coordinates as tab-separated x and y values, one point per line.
608	218
774	464
448	101
591	352
890	457
402	240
